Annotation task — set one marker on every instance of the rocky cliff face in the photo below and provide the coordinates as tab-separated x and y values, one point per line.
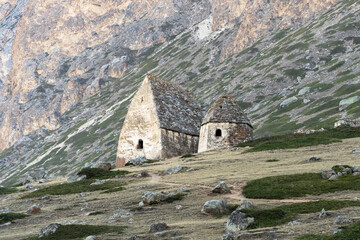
54	54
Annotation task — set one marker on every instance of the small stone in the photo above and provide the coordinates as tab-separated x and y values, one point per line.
323	213
46	231
230	236
168	233
139	161
238	221
184	189
34	209
82	194
355	151
355	199
214	207
328	173
5	210
333	177
314	159
142	174
221	188
178	207
293	223
105	166
158	227
30	187
45	198
90	238
244	204
306	101
173	170
336	230
343	220
99	182
141	204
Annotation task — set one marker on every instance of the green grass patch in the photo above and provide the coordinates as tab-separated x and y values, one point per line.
288	141
8	217
7	190
287	213
336	66
349	232
72	188
187	155
176	197
80	231
294	73
98	173
298	185
96	213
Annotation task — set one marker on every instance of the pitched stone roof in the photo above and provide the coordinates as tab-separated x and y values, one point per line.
176	108
224	110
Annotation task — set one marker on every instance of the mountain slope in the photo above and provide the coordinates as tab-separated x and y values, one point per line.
294	78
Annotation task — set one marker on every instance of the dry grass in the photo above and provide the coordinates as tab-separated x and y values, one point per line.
234	167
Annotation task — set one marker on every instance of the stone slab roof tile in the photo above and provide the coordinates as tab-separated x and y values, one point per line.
225	109
176	108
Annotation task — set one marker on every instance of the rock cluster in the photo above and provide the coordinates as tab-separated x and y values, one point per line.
338	171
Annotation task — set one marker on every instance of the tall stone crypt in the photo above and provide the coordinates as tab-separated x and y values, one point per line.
163	121
225	124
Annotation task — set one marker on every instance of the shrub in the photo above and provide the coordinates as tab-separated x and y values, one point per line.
98	173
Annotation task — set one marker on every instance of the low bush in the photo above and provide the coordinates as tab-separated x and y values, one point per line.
187	155
98	173
176	197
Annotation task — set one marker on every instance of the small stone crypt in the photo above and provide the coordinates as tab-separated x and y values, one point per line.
163	121
225	124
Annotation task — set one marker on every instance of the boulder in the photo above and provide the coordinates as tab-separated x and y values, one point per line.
46	231
343	220
304	91
221	188
139	161
158	227
238	221
214	207
346	102
105	166
36	175
173	170
153	197
244	204
90	238
355	151
328	173
34	209
288	101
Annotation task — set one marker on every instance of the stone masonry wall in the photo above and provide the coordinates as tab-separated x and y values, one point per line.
176	144
231	135
141	122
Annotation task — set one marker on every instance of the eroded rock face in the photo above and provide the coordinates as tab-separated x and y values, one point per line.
54	53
